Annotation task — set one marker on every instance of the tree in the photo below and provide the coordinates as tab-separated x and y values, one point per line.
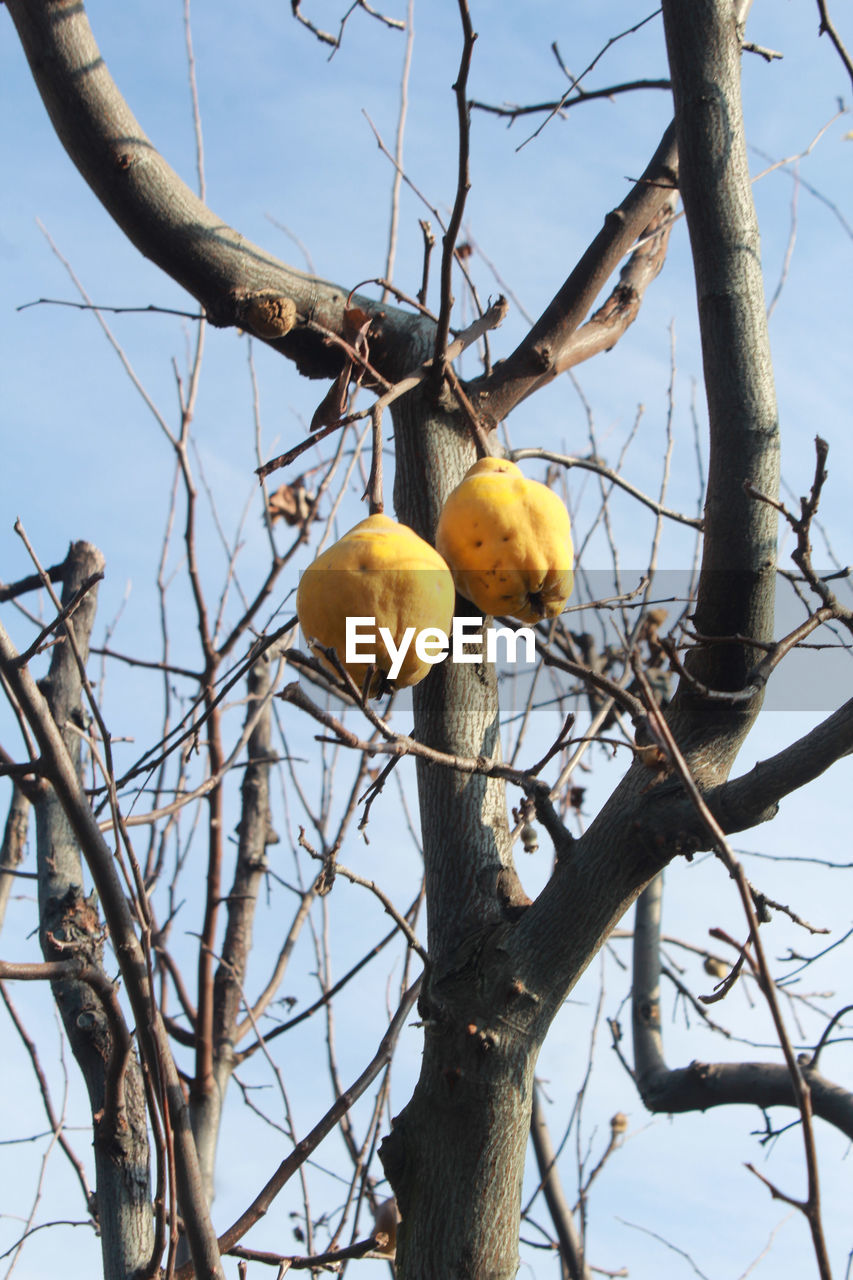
498	967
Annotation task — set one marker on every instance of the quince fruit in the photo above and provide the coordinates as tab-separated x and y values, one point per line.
508	542
384	571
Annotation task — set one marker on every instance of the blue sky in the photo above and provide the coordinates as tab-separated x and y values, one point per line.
286	140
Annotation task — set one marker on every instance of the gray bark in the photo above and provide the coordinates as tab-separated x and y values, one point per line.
159	213
571	1251
471	880
456	1166
736	592
59	768
702	1085
12	847
70	926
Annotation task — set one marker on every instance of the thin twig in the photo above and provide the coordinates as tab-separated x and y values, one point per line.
398	149
827	27
65	612
118	311
592	464
514	111
576	82
489	320
311	1141
197	132
463	186
376	504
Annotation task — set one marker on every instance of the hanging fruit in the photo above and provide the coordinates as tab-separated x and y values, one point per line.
508	542
380	570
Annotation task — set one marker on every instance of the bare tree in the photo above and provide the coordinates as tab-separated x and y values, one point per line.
162	1050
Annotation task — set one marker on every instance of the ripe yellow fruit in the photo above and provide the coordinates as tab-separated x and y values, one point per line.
508	541
380	570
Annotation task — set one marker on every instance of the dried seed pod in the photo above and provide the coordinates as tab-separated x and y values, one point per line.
618	1124
529	838
385	1224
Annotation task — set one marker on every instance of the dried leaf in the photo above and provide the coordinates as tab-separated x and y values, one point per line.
355	320
292	503
334	402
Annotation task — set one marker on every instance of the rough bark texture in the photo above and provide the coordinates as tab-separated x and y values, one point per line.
12	847
499	968
70	926
60	769
462	1143
471	1110
471	879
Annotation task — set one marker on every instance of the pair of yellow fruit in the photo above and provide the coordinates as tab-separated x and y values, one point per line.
503	542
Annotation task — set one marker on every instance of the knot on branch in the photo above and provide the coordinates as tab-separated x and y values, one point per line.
73	926
267	315
542	359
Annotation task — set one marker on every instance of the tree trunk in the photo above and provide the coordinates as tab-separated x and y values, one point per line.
456	1155
498	973
71	927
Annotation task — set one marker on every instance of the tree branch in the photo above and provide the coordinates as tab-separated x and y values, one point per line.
827	27
761	970
463	185
537	359
514	110
303	1149
736	586
702	1085
72	936
235	281
558	1207
13	843
150	1030
743	802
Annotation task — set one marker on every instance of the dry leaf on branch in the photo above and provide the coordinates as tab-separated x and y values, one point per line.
334	402
292	503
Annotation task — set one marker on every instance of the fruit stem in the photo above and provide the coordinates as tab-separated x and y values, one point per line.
373	493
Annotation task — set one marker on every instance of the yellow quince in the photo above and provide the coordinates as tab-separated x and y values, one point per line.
382	574
508	542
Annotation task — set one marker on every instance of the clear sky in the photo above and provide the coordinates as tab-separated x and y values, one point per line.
287	145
